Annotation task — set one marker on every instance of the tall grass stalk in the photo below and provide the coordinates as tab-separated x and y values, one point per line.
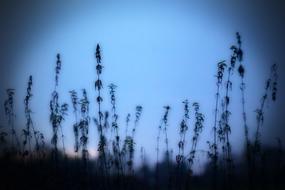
166	140
27	131
74	101
162	128
124	150
241	71
57	111
102	139
138	113
225	118
213	148
84	127
131	139
180	158
270	87
198	127
157	153
128	118
271	84
115	126
158	143
165	127
30	131
10	114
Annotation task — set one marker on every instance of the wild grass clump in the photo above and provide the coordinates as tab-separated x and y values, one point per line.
114	167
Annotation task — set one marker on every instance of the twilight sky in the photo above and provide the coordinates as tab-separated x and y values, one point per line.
157	53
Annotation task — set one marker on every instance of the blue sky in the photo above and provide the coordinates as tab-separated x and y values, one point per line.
157	53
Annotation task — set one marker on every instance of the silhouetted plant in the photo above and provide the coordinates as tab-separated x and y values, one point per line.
124	150
157	153
213	147
74	101
270	83
115	126
256	150
98	121
274	82
29	130
224	122
84	126
10	114
57	111
158	142
167	153
129	141
198	127
129	145
128	118
180	158
127	122
182	132
221	132
165	122
107	124
107	130
163	128
241	71
139	109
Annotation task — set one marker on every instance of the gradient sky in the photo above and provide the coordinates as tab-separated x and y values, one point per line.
157	53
